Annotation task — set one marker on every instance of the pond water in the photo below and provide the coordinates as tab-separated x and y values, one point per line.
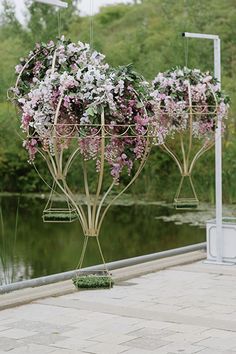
30	248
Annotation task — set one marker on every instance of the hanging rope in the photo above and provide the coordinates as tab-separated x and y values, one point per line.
59	23
186	52
91	23
84	248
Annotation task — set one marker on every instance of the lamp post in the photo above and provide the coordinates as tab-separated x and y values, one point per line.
218	148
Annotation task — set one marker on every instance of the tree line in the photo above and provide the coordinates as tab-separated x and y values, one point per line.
146	33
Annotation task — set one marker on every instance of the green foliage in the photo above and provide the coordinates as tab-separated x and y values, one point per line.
147	34
54	216
92	281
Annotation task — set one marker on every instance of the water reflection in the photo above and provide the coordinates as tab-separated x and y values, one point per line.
31	248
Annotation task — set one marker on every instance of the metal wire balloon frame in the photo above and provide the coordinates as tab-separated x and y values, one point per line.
92	219
187	163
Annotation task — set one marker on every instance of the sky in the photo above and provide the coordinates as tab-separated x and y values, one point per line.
84	6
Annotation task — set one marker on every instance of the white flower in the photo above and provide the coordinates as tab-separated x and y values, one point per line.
85	119
18	68
88	77
78	74
22	100
207	78
71	49
179	72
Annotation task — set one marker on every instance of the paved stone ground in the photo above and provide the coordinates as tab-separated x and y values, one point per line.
184	309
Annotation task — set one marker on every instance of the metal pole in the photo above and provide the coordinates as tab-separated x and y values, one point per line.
218	162
218	146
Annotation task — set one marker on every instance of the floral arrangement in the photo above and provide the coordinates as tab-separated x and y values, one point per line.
181	91
62	86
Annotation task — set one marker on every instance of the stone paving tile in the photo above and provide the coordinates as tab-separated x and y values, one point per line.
85	333
187	328
180	349
113	338
210	351
3	328
147	343
217	333
74	344
141	351
32	349
196	311
16	333
155	324
45	313
106	348
7	344
218	343
42	327
45	339
166	308
187	338
120	326
222	308
152	332
66	351
96	317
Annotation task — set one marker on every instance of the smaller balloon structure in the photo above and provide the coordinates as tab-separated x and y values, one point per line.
188	104
74	106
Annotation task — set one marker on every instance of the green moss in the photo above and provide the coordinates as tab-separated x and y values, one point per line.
59	216
92	281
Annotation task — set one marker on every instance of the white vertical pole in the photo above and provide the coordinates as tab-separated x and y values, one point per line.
218	147
218	162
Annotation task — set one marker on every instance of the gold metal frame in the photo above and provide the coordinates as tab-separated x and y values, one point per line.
92	214
186	163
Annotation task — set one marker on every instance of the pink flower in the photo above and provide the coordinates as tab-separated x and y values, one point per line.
90	145
50	44
66	102
31	146
37	67
26	118
141	120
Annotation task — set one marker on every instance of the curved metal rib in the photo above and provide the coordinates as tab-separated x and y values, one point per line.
142	163
199	154
172	154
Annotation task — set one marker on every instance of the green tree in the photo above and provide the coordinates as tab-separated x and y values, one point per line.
146	33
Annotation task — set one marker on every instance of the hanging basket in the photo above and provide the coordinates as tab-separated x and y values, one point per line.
93	280
59	210
96	278
59	215
186	197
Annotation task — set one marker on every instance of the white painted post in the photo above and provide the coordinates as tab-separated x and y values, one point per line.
218	161
218	146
